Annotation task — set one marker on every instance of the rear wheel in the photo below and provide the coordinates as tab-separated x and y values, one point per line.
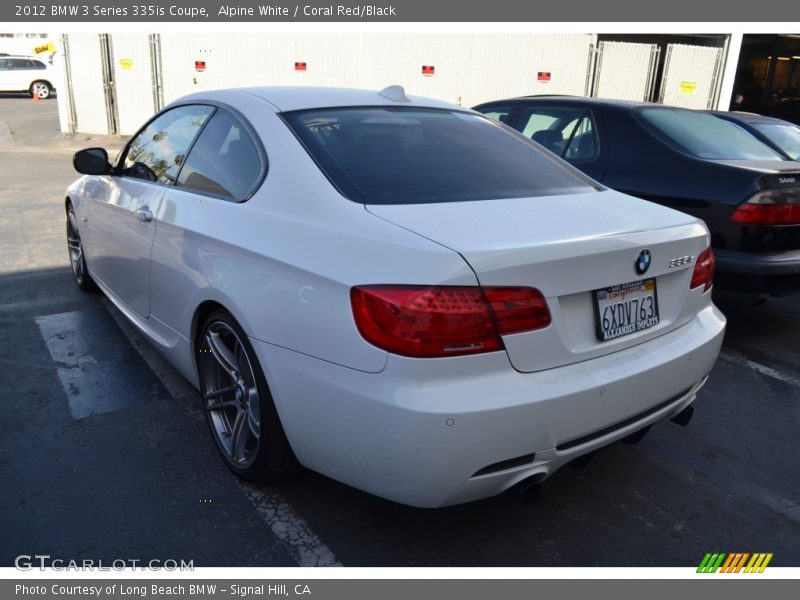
76	258
41	89
238	403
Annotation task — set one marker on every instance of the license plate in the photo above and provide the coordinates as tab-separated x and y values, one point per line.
626	308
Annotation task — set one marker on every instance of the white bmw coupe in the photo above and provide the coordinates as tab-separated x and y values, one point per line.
396	292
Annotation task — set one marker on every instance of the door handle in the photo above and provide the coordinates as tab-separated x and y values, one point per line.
144	214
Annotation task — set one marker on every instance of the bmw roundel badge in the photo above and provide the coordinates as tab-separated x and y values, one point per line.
643	262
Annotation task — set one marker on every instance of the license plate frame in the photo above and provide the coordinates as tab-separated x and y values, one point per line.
650	320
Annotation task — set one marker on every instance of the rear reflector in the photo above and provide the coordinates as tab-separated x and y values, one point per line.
769	207
425	321
704	270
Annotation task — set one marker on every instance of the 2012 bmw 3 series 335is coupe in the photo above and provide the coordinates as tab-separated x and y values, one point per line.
395	292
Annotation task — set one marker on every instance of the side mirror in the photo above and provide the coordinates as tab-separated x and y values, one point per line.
92	161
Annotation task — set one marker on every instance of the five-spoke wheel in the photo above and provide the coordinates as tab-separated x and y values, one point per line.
238	404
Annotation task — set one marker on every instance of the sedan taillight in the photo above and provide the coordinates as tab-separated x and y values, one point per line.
769	207
426	321
704	270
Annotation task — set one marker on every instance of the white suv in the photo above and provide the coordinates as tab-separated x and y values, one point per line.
26	74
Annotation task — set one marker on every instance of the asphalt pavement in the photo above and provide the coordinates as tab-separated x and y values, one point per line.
105	454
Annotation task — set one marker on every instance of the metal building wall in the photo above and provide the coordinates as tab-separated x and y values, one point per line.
86	87
469	68
691	76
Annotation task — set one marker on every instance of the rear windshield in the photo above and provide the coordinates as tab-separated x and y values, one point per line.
785	137
389	155
706	136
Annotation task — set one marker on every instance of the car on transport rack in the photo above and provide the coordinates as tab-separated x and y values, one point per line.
747	193
396	292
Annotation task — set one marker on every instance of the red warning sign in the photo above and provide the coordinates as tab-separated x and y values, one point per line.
543	76
299	66
428	70
199	65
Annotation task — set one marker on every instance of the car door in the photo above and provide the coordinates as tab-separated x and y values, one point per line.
120	216
225	166
571	132
6	76
21	74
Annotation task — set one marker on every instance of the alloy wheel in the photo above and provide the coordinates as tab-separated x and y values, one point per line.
230	394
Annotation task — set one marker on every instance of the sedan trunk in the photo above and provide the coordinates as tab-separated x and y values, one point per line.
571	248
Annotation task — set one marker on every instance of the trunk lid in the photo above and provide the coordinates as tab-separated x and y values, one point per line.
567	247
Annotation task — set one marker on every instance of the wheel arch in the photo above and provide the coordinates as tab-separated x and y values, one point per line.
43	80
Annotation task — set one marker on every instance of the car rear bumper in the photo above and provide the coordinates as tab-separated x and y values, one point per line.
437	432
775	273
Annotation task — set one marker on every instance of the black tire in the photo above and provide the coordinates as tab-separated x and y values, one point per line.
40	88
77	260
271	456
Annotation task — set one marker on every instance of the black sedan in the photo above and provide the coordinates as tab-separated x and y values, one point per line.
778	134
747	193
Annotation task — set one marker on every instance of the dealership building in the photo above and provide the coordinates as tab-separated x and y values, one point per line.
111	83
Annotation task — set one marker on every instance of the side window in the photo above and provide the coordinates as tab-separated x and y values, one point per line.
225	160
497	113
22	64
567	132
158	151
4	64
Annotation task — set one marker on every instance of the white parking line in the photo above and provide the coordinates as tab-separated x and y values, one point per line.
289	527
738	359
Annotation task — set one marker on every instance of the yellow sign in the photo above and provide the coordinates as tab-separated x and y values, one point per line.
126	64
49	47
689	87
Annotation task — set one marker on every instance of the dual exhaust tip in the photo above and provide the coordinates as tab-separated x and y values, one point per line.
528	491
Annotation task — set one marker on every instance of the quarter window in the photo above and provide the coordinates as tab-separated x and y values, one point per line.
224	161
497	113
158	151
567	132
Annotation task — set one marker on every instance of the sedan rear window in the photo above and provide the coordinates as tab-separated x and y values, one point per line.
705	136
389	155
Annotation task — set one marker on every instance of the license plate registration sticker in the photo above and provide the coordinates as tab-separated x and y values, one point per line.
626	308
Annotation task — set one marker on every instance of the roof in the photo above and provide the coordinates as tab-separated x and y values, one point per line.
745	117
583	100
288	98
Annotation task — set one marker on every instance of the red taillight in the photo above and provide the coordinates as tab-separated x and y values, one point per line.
704	270
425	321
769	207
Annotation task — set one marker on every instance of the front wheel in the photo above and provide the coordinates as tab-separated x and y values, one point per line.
76	258
41	89
238	403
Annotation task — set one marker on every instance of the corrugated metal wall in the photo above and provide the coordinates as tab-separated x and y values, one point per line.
690	76
468	68
625	71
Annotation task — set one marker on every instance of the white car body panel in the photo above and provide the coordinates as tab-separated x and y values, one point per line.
283	263
20	80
